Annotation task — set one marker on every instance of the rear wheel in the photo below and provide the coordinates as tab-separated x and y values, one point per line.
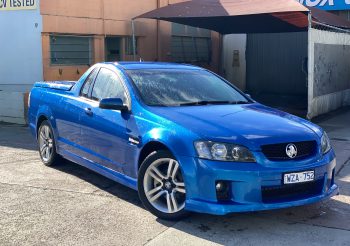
161	186
47	145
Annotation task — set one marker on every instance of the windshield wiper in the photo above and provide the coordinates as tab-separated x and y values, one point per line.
203	103
241	102
198	103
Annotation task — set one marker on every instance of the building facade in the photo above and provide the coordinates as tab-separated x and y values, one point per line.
273	67
101	31
61	39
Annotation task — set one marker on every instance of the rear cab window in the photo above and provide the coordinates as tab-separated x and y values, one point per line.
84	92
108	85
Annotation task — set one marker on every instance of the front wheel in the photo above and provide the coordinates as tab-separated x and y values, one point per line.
161	186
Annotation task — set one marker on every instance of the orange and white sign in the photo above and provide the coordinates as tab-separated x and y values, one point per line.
18	4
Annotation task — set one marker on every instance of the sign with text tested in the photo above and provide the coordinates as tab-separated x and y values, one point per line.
18	4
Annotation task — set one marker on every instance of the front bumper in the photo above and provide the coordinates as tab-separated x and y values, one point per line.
250	185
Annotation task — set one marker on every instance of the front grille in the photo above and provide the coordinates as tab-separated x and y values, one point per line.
277	152
291	192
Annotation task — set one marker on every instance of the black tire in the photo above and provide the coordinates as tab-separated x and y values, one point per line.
141	190
54	158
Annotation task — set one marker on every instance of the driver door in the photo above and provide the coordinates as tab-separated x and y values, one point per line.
103	131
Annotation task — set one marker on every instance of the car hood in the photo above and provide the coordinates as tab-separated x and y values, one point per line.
251	125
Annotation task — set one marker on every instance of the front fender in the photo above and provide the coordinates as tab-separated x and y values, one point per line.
178	145
181	146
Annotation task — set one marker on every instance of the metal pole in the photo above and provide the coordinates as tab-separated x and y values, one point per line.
221	56
309	17
309	82
133	40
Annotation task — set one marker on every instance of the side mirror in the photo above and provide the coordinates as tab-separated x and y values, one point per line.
114	104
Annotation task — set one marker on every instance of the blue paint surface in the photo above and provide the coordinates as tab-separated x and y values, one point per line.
59	85
327	4
102	143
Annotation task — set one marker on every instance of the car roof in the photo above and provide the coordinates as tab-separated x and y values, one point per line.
152	65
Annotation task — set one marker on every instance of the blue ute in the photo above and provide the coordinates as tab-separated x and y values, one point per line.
184	138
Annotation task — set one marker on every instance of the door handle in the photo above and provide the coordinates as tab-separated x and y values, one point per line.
88	111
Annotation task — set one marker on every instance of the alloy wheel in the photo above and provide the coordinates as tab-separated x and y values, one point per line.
164	186
45	143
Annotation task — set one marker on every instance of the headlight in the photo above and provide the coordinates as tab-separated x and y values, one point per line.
325	144
223	152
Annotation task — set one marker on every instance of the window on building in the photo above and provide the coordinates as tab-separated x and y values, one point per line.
70	50
190	44
191	49
129	45
113	48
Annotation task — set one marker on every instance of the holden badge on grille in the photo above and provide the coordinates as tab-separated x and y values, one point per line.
291	150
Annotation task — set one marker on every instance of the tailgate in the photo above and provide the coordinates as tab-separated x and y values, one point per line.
56	85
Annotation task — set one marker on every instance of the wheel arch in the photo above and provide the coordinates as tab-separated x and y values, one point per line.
40	120
156	145
150	147
165	139
45	113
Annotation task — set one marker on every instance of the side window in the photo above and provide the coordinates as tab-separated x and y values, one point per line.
107	85
88	82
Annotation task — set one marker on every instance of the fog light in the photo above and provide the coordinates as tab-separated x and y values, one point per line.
220	186
222	190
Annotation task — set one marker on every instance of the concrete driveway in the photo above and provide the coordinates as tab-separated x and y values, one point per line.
70	205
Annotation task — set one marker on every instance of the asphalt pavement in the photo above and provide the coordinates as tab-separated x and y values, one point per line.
70	205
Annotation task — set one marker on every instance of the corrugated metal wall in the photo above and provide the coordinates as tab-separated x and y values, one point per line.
274	63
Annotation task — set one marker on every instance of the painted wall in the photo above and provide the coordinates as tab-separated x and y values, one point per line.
20	42
20	60
95	18
234	59
329	74
101	18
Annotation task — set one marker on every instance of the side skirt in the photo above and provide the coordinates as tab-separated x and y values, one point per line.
108	173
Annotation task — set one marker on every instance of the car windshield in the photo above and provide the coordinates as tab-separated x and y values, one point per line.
172	87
